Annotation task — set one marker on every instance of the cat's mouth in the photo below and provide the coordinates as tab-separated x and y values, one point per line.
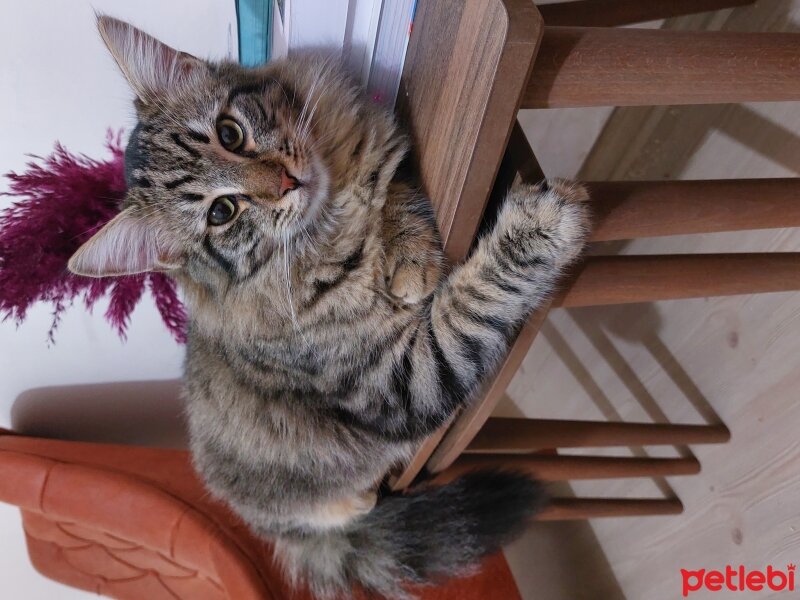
274	185
295	200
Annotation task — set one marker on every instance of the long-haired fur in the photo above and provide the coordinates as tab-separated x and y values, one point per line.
326	339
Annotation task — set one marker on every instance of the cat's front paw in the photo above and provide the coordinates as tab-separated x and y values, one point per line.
550	217
409	283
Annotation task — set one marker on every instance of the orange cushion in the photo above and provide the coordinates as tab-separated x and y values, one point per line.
136	523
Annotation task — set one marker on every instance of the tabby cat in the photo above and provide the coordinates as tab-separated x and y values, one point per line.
325	339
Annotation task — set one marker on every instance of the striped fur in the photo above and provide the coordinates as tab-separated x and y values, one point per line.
325	339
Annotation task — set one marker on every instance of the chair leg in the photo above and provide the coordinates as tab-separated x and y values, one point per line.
624	210
610	13
597	66
602	280
565	468
569	509
501	435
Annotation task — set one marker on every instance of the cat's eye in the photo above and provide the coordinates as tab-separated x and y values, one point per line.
222	210
231	134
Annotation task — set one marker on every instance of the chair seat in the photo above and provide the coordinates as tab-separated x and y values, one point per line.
136	523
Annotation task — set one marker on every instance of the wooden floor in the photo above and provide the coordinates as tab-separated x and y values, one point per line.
733	359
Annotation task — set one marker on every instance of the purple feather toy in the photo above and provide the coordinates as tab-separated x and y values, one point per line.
63	200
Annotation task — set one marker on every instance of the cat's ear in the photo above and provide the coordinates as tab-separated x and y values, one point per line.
152	68
127	244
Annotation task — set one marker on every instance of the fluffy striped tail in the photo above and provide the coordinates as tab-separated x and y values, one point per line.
422	537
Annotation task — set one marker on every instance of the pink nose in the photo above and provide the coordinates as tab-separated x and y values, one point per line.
288	183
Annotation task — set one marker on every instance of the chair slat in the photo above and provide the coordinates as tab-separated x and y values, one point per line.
603	280
611	13
565	468
501	435
626	210
594	66
569	509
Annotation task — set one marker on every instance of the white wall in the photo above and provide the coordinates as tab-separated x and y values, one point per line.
318	24
57	82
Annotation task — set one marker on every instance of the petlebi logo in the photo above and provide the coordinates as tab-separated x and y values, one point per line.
738	579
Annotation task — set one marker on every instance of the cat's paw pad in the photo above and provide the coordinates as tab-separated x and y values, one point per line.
411	283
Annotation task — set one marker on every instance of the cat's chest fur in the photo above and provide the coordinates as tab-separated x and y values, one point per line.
266	409
309	331
268	369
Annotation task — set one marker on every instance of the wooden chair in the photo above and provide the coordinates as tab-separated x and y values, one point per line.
471	65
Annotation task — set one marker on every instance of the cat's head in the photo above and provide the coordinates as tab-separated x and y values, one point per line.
225	161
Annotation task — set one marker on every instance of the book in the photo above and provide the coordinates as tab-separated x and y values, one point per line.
254	19
391	43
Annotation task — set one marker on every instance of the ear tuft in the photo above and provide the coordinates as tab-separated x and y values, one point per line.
126	245
152	68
